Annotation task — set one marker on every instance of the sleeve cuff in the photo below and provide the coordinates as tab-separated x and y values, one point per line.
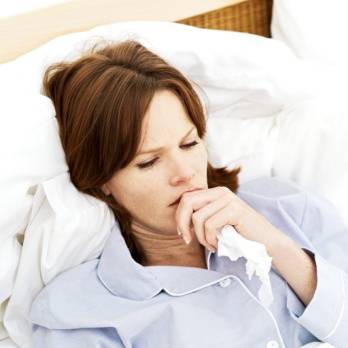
324	312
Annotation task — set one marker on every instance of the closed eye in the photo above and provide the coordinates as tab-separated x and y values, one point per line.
151	163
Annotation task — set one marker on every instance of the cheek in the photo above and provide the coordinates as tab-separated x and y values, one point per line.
202	159
123	187
136	194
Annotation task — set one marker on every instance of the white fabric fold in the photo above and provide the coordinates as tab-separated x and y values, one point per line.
234	246
317	345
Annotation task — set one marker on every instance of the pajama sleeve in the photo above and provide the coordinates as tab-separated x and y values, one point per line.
326	315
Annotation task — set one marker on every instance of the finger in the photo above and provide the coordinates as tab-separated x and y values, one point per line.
239	201
228	215
192	201
200	216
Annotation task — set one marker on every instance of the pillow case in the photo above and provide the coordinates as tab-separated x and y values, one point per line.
30	152
65	228
314	30
311	149
227	138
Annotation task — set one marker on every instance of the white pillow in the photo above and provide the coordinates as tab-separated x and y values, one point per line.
311	149
66	228
227	138
248	74
314	29
30	152
244	76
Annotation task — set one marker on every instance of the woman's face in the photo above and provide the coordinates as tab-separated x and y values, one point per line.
153	180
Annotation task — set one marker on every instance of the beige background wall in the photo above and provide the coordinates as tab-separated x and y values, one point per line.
22	33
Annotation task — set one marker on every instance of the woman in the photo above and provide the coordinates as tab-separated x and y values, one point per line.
132	128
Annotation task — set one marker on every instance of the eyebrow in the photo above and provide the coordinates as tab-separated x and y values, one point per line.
157	149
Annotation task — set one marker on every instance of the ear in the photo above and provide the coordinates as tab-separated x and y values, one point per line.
105	189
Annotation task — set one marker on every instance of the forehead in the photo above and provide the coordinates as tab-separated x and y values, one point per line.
165	119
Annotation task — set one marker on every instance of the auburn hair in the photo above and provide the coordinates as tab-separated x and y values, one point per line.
100	100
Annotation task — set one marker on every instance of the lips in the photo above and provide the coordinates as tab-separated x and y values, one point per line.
178	199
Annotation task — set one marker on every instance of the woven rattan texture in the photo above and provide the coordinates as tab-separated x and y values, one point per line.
251	16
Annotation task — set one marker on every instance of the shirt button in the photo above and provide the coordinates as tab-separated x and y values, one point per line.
225	282
272	344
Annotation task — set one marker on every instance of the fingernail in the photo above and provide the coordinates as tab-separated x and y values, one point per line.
186	239
179	233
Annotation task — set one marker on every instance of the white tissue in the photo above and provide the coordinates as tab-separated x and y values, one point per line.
234	246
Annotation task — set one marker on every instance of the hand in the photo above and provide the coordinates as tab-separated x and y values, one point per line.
205	212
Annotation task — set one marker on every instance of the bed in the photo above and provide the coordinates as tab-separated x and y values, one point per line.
269	99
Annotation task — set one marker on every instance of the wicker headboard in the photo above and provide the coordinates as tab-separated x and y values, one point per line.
252	16
22	33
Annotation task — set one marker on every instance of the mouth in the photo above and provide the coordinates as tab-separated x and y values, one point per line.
178	199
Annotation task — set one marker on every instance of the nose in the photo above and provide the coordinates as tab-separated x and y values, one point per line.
181	172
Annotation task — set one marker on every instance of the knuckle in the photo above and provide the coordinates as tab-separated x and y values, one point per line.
230	199
208	225
232	204
184	199
224	189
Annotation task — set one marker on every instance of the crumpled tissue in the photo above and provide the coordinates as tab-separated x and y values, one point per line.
234	246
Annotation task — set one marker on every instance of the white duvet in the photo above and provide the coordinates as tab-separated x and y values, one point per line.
267	110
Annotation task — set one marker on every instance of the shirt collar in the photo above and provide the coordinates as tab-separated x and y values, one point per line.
125	277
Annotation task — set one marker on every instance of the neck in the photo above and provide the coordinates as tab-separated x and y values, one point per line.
161	249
